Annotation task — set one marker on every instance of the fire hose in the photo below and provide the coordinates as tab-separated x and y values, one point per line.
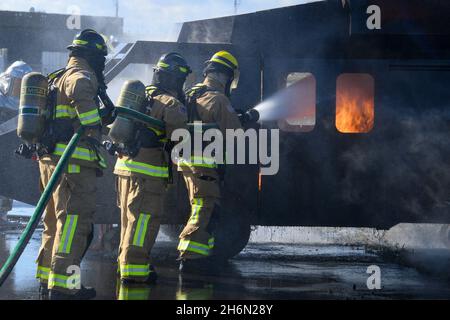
42	204
48	191
140	117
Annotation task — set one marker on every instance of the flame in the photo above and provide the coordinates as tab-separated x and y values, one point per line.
354	107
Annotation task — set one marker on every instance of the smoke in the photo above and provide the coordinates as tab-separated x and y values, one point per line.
135	71
407	162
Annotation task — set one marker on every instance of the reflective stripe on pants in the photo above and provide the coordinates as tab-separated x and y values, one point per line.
68	232
141	230
135	270
70	282
196	247
42	273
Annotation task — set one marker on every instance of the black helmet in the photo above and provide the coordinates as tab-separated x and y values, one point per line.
90	41
173	64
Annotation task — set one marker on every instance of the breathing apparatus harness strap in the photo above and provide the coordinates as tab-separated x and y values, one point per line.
107	111
191	104
191	101
158	135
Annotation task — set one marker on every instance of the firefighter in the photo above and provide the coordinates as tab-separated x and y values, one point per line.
142	179
207	102
10	82
68	222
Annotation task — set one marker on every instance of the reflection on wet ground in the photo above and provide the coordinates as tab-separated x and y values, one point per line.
261	271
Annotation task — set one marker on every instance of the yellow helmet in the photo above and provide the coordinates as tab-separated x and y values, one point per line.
225	58
224	62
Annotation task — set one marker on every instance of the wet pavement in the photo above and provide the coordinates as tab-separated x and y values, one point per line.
261	271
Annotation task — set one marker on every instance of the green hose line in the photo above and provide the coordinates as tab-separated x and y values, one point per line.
141	117
35	218
155	123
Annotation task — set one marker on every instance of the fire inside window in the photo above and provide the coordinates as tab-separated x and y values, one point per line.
302	117
355	103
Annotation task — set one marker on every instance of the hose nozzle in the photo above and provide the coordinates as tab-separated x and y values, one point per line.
251	116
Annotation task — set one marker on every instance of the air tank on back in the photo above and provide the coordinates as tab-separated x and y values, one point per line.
132	95
33	111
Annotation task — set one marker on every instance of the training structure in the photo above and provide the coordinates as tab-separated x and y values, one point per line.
368	150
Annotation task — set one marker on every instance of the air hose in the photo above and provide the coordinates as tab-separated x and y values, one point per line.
40	207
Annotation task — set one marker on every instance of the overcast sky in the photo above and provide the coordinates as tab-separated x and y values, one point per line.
154	18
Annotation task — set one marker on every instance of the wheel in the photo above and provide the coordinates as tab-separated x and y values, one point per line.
233	229
232	233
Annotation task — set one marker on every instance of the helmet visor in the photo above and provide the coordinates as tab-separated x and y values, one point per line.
7	84
235	82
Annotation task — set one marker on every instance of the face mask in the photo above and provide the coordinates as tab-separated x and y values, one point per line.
98	63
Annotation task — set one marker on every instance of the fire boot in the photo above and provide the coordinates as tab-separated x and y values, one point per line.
82	294
151	278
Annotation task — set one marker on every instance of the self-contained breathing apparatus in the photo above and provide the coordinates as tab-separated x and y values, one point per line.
36	114
128	133
37	123
133	128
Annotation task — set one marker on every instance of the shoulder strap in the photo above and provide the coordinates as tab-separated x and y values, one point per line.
191	100
51	95
56	74
152	91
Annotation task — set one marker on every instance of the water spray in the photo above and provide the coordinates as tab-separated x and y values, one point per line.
297	100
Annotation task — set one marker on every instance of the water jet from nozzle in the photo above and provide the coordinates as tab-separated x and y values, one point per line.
296	101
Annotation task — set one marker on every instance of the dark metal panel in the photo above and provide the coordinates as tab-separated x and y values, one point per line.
397	172
27	35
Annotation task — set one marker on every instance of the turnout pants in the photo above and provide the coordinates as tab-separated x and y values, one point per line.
67	226
140	202
196	239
